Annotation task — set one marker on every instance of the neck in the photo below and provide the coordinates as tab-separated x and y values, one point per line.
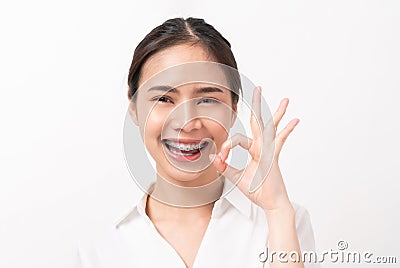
169	201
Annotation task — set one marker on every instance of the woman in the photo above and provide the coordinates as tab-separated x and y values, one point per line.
238	229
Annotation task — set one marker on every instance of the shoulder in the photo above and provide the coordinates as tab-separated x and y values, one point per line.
103	248
89	246
106	246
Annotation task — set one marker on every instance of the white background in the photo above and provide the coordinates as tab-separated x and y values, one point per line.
63	100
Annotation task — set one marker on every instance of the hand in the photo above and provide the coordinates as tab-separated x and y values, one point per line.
271	194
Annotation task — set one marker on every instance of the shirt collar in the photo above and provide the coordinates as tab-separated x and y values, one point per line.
230	193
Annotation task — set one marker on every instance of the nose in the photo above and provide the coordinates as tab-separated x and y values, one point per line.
184	118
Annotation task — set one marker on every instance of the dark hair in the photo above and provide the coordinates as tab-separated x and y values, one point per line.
192	31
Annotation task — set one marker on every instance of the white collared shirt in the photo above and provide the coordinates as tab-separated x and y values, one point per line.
236	236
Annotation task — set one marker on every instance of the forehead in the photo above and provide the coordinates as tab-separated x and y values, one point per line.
172	56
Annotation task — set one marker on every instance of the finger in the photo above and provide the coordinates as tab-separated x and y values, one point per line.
269	131
224	169
281	111
284	134
235	140
256	122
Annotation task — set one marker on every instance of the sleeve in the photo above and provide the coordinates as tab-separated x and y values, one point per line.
305	235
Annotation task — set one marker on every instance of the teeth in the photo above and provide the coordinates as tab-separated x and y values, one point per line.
186	147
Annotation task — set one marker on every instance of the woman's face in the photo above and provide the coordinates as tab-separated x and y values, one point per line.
183	125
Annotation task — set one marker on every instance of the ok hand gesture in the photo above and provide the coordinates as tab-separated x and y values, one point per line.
270	193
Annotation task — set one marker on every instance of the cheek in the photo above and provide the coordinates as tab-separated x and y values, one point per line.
152	125
218	131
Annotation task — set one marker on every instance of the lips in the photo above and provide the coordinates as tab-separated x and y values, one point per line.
184	150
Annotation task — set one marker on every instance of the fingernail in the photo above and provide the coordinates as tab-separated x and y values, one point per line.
220	155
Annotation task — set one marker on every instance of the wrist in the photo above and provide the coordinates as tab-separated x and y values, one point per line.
284	211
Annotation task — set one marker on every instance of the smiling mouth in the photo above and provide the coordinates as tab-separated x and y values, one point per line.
184	151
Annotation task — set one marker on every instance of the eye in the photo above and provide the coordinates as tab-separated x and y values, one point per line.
209	100
162	99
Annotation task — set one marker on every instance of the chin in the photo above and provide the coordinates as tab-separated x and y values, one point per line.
184	178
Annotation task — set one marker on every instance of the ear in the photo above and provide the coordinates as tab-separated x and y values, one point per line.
133	112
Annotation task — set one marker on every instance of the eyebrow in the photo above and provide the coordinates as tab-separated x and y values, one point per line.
208	89
163	88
